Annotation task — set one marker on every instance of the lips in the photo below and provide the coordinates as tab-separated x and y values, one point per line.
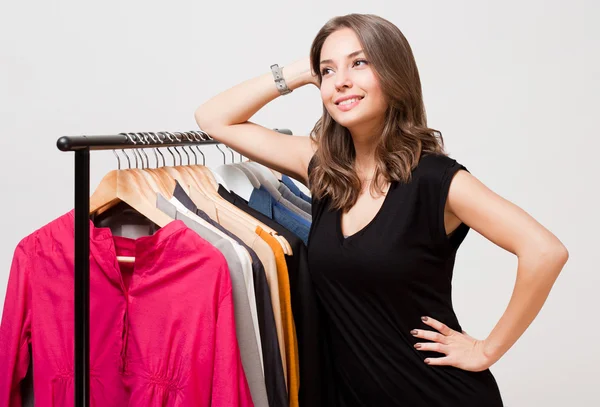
348	99
348	103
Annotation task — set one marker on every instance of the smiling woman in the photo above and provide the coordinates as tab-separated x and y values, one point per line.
374	124
389	212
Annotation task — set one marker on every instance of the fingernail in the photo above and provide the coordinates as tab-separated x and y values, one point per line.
427	361
413	332
423	318
418	345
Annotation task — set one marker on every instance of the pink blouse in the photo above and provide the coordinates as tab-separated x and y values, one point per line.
162	330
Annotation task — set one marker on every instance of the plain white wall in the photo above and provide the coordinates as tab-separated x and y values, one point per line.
512	86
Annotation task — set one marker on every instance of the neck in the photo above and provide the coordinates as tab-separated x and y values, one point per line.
365	140
365	158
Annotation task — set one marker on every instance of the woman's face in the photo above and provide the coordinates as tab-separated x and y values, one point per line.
349	88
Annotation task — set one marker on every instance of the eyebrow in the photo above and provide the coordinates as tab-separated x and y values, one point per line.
329	61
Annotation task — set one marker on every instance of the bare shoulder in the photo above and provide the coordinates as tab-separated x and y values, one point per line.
496	218
307	157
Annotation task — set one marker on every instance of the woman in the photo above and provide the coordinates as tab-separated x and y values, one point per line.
390	210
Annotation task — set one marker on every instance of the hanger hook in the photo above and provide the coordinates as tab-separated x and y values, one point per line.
123	150
189	146
231	151
183	147
155	149
168	136
207	137
191	140
222	152
182	141
177	151
129	166
134	143
118	160
142	151
195	144
159	140
147	138
198	138
136	153
126	156
128	160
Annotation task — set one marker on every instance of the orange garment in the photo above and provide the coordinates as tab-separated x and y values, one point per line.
289	329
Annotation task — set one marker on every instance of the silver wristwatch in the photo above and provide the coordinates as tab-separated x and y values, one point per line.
279	81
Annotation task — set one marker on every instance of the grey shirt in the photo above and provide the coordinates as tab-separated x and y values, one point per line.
244	326
290	196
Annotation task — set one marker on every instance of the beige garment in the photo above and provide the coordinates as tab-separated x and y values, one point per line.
263	251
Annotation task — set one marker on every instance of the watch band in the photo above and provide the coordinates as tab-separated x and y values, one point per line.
279	80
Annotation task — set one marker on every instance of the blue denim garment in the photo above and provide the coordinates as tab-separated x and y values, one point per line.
294	188
262	201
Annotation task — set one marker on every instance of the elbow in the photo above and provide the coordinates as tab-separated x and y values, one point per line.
207	122
554	255
562	254
544	258
556	252
200	118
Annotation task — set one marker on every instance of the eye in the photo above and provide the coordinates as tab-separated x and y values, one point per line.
361	60
324	71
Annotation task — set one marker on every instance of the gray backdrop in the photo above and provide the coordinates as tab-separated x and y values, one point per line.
511	86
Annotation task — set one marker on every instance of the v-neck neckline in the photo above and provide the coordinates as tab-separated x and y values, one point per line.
338	219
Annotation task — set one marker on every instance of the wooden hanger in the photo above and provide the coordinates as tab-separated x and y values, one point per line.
123	185
210	205
140	139
192	169
133	187
186	175
211	191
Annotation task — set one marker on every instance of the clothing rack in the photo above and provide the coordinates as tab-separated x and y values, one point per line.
82	145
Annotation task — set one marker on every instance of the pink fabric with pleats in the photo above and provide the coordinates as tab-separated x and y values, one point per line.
162	331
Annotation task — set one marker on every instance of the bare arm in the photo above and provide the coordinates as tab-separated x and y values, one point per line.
226	118
541	256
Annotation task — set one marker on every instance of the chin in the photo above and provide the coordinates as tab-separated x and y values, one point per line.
349	122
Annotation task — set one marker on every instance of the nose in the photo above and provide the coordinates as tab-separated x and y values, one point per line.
342	80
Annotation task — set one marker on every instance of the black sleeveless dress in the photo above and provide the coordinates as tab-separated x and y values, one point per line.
374	286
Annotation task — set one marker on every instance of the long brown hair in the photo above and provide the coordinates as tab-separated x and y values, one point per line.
405	135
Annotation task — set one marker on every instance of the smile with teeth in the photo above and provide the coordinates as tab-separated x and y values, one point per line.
349	101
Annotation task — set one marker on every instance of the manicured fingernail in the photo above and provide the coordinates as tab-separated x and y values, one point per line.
423	318
427	361
418	345
414	332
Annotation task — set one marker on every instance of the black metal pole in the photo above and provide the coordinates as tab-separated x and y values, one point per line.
82	145
82	278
